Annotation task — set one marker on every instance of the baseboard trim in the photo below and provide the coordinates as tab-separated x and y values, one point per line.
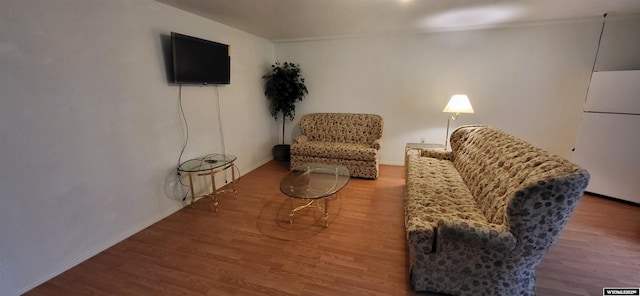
120	237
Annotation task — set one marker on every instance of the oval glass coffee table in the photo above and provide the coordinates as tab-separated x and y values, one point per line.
314	182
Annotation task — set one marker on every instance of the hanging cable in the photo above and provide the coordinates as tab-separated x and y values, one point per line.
595	59
224	148
186	140
221	129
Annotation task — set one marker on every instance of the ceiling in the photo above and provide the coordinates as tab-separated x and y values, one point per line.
279	20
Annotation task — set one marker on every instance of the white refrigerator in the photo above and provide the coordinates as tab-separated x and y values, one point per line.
608	143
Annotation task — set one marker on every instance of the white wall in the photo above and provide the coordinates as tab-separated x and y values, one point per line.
529	81
620	48
90	129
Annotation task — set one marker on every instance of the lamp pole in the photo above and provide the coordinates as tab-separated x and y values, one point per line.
446	138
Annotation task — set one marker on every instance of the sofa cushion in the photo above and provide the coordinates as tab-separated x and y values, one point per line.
334	150
367	169
342	127
435	192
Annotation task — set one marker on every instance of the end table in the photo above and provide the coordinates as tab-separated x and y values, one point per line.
209	165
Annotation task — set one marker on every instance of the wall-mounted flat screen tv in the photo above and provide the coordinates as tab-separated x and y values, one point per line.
199	61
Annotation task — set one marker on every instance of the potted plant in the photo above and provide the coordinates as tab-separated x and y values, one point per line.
283	87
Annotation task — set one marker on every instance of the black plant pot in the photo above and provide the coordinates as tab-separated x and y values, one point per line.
281	152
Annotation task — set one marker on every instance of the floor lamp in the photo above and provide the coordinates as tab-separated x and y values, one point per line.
457	104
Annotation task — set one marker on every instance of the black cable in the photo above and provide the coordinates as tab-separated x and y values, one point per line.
186	140
224	148
604	20
593	67
186	124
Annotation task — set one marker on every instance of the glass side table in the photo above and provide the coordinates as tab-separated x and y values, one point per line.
209	165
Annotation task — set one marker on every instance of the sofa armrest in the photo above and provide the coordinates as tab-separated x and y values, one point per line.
437	154
377	144
300	139
484	235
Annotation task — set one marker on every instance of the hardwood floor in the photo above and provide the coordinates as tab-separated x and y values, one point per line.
249	247
599	247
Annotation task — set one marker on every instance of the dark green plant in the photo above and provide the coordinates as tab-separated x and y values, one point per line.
284	86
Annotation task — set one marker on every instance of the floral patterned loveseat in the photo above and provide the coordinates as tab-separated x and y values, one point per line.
480	218
349	139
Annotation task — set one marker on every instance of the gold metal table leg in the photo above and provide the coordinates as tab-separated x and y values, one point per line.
233	180
213	192
326	211
307	205
193	195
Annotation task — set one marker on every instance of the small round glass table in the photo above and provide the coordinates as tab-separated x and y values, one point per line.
210	165
313	182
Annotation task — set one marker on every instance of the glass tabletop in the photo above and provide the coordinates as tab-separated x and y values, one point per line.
424	145
207	162
315	180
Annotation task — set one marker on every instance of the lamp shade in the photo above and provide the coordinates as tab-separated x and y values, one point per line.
458	104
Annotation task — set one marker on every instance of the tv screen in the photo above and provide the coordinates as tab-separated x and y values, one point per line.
199	61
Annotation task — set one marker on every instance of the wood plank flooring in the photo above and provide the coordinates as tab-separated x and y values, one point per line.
249	247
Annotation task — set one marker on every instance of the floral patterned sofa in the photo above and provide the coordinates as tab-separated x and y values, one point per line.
480	218
349	139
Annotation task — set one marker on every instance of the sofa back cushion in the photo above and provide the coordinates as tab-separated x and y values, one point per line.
496	167
342	127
